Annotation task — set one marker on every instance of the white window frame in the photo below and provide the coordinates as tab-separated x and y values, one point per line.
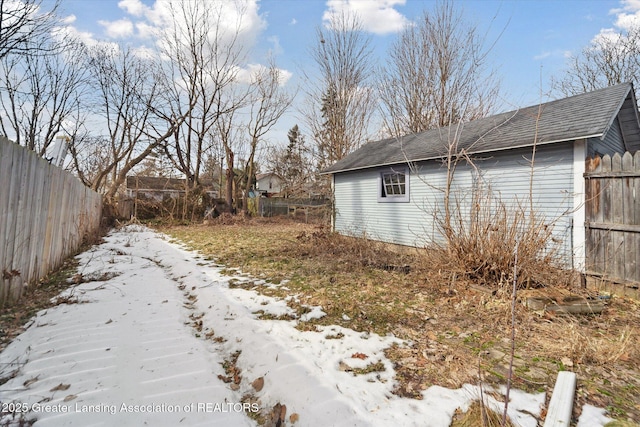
397	171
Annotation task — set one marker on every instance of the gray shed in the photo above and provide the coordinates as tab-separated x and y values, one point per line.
390	190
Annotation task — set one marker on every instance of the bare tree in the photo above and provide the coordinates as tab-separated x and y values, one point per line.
205	52
437	74
21	22
230	136
129	97
341	101
41	92
293	163
270	101
609	59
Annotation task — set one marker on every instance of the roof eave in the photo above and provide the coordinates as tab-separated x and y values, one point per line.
617	110
596	135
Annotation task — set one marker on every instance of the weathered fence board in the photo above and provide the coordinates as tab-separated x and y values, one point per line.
613	216
45	214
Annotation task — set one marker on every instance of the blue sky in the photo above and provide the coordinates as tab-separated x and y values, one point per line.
532	37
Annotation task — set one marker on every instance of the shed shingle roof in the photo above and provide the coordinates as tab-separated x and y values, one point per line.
581	116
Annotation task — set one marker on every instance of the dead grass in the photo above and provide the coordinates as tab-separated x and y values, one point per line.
453	322
36	298
479	415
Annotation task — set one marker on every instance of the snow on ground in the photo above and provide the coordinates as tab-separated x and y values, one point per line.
150	336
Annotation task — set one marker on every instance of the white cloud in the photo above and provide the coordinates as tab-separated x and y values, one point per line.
249	74
239	19
376	16
277	47
543	55
558	53
70	32
628	20
118	29
146	31
145	52
68	20
628	15
133	7
294	21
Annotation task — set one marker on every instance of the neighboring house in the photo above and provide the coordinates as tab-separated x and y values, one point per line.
158	188
268	184
391	189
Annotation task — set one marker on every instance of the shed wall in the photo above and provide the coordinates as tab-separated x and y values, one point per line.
611	143
506	174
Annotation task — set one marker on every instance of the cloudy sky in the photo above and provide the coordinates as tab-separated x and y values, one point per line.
532	37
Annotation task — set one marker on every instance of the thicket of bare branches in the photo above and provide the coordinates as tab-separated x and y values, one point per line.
22	22
43	92
340	99
128	88
269	102
294	163
610	58
483	234
204	50
119	104
437	74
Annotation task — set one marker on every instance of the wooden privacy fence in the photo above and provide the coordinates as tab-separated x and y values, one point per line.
613	217
45	214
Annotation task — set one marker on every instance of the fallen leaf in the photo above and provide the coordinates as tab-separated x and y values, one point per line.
108	321
30	381
359	356
344	367
225	379
258	384
293	418
70	397
61	387
283	412
567	362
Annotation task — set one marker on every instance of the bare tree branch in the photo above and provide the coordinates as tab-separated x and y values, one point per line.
270	102
437	74
608	60
341	102
21	22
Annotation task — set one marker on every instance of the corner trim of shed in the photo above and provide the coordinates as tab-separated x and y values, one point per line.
578	237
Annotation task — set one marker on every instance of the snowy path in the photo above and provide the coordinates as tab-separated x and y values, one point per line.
148	340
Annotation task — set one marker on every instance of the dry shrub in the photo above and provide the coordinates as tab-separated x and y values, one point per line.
227	218
355	250
479	415
481	240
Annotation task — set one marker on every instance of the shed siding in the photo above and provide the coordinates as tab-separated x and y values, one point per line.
611	144
506	174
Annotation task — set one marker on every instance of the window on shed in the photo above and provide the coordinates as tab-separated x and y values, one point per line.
394	185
